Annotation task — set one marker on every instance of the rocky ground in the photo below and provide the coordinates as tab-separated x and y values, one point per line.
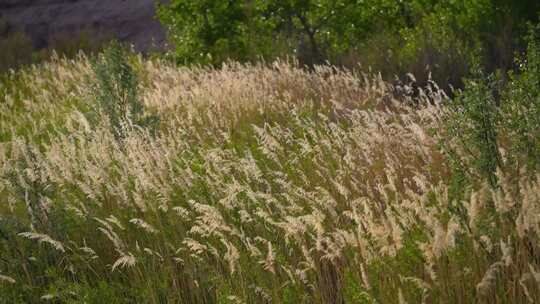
131	21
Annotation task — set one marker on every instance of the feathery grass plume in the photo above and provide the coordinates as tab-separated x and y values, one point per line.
144	225
48	297
126	260
231	256
43	238
486	285
7	279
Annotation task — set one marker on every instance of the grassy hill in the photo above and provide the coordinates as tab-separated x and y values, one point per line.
143	182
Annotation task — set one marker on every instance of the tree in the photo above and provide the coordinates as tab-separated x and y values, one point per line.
210	31
421	36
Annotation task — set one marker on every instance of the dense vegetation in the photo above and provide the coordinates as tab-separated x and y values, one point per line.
422	37
132	180
250	184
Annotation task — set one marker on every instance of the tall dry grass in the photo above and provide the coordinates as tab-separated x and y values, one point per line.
263	184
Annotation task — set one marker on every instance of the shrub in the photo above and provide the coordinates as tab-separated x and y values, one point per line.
521	107
472	122
116	91
492	124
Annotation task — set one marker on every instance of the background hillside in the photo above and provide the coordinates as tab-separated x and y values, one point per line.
77	24
132	21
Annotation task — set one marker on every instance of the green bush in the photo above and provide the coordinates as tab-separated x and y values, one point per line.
493	124
473	123
521	108
116	92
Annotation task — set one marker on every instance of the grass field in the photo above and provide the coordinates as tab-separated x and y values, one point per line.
253	184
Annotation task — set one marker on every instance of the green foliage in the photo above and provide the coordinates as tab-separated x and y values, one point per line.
473	122
353	292
433	38
211	31
521	107
490	116
116	92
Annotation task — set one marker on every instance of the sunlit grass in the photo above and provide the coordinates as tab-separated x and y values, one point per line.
263	184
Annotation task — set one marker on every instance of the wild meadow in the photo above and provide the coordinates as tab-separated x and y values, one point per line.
131	180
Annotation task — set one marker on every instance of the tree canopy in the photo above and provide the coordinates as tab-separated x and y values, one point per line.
391	36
